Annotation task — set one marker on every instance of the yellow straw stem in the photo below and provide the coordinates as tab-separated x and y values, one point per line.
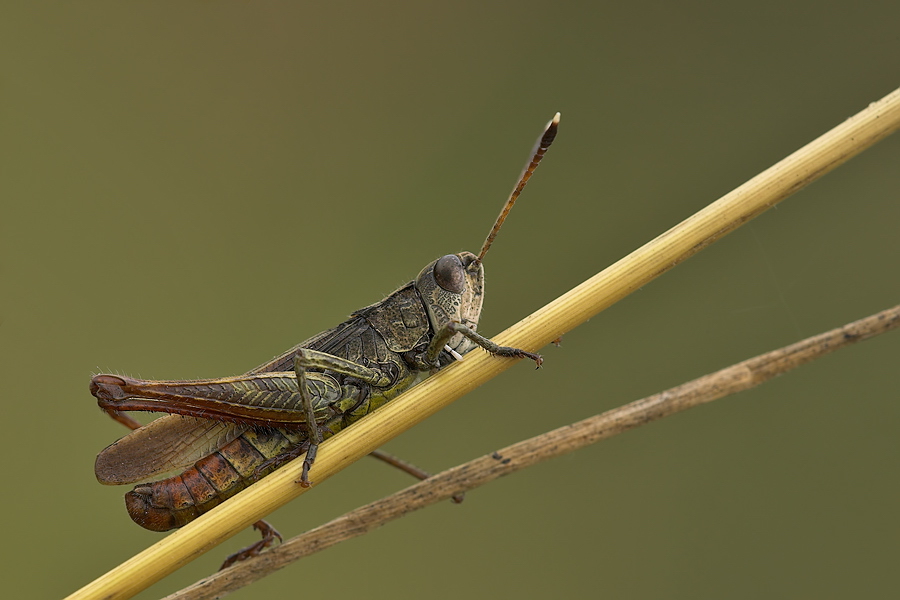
637	269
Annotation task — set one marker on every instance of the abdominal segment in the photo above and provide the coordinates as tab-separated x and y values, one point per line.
176	501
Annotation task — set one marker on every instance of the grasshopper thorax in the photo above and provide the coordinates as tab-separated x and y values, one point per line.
452	288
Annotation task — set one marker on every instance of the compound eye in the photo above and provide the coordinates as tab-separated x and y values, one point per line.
449	274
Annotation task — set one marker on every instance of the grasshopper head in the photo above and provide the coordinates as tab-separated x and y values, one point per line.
453	288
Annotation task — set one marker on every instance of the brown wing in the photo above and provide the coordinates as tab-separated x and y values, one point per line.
169	443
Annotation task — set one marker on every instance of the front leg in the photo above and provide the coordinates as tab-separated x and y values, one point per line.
454	327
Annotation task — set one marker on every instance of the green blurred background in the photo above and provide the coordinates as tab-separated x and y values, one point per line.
190	188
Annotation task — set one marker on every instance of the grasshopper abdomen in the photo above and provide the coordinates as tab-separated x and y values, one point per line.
173	502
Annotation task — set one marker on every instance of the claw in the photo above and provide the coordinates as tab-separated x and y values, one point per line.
269	534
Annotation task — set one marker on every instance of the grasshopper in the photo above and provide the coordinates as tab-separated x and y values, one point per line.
223	434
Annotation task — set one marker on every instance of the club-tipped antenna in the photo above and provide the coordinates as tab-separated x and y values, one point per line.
536	155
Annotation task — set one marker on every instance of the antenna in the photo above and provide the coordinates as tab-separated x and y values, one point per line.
536	155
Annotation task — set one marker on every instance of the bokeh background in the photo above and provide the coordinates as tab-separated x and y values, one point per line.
190	188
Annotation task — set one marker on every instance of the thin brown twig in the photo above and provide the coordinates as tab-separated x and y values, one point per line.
727	381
